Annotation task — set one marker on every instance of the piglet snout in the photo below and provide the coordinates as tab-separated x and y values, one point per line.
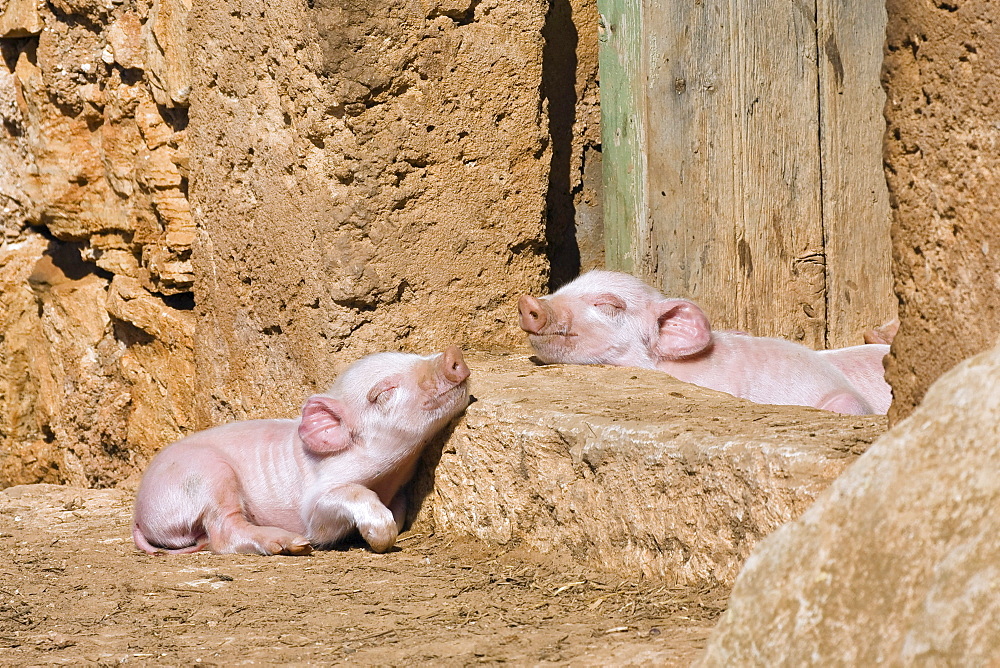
533	317
453	365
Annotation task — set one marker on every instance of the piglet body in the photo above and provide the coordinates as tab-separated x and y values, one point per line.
607	317
864	367
285	486
769	371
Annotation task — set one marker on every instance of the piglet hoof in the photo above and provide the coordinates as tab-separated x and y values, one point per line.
297	547
380	537
278	541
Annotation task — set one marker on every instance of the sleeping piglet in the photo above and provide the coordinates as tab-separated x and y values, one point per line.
286	486
606	317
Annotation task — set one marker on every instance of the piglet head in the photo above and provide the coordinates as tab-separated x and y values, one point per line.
606	317
388	401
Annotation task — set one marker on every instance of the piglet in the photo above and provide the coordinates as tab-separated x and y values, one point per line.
608	317
286	486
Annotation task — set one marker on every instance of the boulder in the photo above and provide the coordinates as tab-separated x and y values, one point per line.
630	469
899	562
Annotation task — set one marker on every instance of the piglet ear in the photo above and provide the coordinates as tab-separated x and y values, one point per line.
684	329
323	430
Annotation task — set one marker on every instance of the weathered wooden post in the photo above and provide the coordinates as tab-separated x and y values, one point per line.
742	154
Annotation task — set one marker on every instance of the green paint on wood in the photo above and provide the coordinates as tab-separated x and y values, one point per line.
622	129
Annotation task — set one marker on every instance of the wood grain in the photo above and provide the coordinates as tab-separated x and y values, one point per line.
760	150
856	216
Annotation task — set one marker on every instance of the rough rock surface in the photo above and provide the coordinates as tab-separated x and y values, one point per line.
942	154
95	375
96	357
632	470
91	157
899	562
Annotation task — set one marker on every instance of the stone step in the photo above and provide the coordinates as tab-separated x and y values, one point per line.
629	470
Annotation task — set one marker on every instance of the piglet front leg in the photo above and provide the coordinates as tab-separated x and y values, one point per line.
344	507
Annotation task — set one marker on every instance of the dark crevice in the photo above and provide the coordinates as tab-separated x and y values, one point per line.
176	118
94	22
468	16
129	334
559	64
65	258
13	128
355	304
132	76
183	301
11	49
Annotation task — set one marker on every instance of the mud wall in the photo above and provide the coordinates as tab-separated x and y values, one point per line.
942	155
374	178
384	175
353	177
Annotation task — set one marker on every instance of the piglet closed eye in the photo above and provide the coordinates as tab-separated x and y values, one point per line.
286	486
644	329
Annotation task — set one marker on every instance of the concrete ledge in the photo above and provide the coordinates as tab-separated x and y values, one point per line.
631	470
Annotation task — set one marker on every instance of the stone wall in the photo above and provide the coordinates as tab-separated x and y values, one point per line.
352	178
95	273
941	155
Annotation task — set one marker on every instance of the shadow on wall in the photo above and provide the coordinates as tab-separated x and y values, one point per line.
559	65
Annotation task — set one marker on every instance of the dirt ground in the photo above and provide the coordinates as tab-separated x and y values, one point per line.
73	590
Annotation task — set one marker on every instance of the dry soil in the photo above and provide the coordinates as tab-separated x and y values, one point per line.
73	590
